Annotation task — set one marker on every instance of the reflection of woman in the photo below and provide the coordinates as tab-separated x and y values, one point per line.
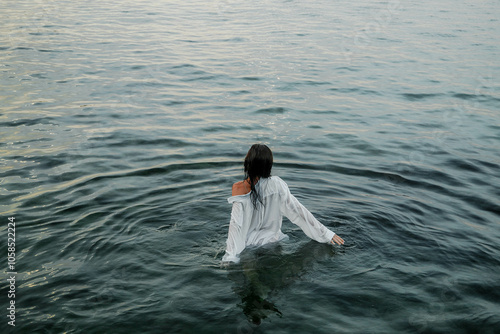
259	203
266	272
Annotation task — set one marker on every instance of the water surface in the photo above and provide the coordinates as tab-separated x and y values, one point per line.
124	125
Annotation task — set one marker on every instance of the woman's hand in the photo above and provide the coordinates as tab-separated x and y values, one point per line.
337	239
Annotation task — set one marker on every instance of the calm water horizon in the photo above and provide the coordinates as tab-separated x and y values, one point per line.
125	123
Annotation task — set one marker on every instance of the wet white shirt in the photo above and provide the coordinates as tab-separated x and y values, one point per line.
257	227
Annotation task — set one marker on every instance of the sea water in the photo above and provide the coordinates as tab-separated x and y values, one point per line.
125	123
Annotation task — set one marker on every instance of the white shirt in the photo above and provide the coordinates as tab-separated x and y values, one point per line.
257	227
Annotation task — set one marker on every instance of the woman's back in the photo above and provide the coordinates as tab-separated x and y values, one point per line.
256	224
259	204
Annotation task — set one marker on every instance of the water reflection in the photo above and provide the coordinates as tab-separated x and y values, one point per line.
264	272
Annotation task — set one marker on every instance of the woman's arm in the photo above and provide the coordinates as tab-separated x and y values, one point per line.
300	216
236	242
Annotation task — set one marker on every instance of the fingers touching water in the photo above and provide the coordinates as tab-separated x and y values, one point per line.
337	239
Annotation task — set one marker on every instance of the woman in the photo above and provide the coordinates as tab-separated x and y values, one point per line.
259	203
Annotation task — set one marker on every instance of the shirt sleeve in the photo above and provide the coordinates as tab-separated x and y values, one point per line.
236	239
300	216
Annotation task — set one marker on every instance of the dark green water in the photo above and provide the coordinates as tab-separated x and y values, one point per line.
125	123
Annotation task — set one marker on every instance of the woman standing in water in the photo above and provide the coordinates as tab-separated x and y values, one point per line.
259	204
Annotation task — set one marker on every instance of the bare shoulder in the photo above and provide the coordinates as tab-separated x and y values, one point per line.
240	188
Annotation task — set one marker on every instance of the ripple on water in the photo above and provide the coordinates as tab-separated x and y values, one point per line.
273	110
421	96
121	140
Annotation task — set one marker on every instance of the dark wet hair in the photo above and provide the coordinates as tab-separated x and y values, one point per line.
258	163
